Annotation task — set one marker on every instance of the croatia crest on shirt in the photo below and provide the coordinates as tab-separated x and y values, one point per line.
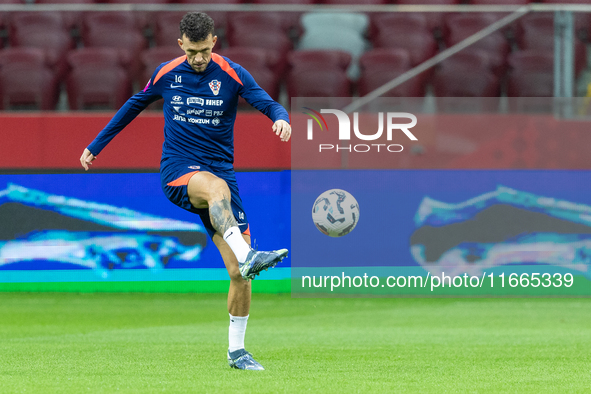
215	86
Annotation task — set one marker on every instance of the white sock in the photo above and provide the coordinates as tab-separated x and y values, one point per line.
237	243
237	332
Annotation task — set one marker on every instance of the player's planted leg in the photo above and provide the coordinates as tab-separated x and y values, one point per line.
239	298
241	359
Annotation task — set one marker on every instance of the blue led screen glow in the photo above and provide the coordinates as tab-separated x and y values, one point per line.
108	223
453	221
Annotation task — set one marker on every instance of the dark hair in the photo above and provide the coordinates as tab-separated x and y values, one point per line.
197	26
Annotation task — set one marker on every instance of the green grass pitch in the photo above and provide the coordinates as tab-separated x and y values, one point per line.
155	343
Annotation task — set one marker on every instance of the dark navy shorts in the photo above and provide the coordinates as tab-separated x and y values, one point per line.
175	175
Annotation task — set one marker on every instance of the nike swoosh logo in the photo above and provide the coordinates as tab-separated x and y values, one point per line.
176	86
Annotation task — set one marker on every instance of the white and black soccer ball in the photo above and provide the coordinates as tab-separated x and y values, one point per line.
335	212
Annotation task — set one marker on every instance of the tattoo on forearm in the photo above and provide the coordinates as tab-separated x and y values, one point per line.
221	216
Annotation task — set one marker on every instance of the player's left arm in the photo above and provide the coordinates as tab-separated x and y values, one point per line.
261	100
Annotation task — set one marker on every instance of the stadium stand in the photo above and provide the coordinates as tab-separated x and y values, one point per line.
356	2
65	1
412	21
434	19
277	42
98	86
263	43
165	28
379	66
254	58
321	58
459	81
99	57
116	30
45	32
34	56
318	82
419	42
536	31
285	2
28	86
209	1
532	60
261	64
500	2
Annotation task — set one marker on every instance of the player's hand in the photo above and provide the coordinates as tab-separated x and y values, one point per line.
86	159
282	129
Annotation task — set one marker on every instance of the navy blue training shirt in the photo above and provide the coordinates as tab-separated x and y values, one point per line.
199	108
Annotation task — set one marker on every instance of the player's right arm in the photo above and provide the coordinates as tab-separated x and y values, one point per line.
122	118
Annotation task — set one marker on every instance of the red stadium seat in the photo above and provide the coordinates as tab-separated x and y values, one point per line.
16	55
434	19
250	57
271	37
530	84
500	2
536	31
285	1
128	40
381	65
356	2
96	56
109	19
470	58
460	81
566	1
209	1
321	58
420	43
412	21
371	79
166	29
106	87
55	42
530	91
266	21
278	42
532	60
462	26
28	86
40	20
386	58
138	1
262	64
318	82
66	1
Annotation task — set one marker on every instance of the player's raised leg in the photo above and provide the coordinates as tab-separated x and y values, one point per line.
207	190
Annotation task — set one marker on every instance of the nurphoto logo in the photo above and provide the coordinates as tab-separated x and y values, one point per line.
392	120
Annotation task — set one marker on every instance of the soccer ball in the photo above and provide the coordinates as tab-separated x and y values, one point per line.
335	212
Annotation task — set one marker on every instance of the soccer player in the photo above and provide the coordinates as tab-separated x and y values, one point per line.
200	92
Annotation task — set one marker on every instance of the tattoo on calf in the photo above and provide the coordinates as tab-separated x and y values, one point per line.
221	215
